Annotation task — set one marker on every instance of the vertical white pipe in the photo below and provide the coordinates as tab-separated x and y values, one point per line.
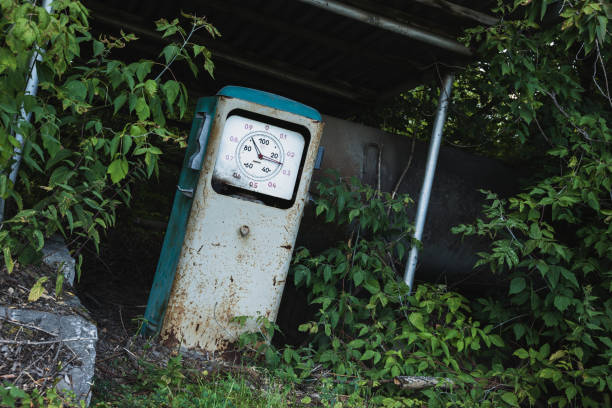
31	89
430	170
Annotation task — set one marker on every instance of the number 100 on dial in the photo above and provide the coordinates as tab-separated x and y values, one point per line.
259	157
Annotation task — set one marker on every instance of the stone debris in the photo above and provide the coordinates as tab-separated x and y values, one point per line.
51	340
74	332
56	255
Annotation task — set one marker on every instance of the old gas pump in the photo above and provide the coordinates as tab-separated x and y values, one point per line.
235	217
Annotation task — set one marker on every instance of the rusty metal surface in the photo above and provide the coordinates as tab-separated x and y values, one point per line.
352	149
236	253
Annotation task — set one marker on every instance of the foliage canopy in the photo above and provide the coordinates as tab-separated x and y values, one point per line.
539	95
95	126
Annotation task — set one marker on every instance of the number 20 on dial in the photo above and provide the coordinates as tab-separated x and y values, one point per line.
259	157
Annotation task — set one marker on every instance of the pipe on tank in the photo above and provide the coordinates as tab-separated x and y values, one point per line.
31	89
430	170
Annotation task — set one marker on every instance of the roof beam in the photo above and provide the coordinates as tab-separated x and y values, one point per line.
254	17
461	11
225	55
390	25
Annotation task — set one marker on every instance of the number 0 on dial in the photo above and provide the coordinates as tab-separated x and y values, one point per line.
259	157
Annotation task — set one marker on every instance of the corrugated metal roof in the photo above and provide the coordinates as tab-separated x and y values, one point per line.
305	52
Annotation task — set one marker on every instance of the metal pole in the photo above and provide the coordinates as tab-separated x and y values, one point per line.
430	170
390	25
31	89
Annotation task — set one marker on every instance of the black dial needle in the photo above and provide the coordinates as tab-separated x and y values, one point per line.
259	155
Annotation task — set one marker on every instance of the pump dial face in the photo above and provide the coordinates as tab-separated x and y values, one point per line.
259	157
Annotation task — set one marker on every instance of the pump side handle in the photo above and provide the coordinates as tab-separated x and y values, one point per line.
196	159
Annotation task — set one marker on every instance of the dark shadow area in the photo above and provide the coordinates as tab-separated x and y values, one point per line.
115	282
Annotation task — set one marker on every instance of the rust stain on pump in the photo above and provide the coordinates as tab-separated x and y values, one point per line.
236	251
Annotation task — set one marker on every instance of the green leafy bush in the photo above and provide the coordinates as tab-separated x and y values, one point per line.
96	125
552	242
369	332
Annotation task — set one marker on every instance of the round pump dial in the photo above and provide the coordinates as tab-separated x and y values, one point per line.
258	156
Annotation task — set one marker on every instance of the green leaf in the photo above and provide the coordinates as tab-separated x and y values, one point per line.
76	90
417	321
119	102
114	144
496	340
60	176
517	285
570	392
547	373
137	130
118	169
143	70
142	109
98	48
59	282
592	200
367	355
197	49
127	143
169	52
353	213
341	201
510	398
534	231
562	302
171	89
37	290
327	273
22	29
454	303
358	277
601	29
7	60
209	66
357	343
40	240
320	208
521	353
570	276
150	87
8	260
372	286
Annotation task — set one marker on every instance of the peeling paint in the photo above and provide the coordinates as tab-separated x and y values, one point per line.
225	271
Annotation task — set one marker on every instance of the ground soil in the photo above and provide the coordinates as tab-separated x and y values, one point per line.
30	357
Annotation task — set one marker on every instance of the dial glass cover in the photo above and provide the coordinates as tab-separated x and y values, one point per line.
260	157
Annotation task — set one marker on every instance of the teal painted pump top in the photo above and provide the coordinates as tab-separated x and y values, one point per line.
272	163
271	100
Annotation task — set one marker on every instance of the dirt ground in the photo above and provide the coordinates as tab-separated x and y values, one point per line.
31	357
